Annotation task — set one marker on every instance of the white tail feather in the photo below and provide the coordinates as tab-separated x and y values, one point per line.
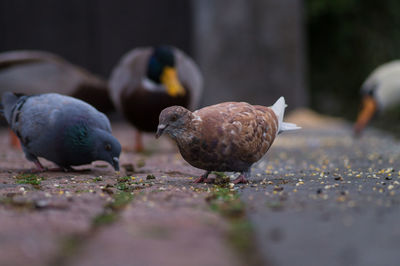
288	126
279	109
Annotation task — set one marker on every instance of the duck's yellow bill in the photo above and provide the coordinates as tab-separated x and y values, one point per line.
169	78
365	115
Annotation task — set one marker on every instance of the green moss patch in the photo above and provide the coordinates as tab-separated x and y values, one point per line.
31	179
240	236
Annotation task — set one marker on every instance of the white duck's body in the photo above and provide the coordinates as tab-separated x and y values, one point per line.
385	83
381	92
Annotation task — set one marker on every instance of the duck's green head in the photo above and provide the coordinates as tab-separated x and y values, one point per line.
161	69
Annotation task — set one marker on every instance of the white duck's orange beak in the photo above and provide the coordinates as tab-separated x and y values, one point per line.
369	107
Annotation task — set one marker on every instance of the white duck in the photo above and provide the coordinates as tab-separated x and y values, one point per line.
381	92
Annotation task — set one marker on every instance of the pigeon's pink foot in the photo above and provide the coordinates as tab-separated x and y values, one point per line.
39	167
204	179
240	180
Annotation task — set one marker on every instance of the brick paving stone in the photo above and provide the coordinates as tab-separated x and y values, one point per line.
167	223
172	227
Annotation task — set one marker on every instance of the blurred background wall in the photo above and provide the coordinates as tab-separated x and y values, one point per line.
347	40
93	33
251	50
248	50
314	52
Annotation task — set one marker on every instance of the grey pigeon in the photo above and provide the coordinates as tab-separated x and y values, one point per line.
61	129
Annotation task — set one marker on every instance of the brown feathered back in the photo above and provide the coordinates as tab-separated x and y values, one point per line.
229	136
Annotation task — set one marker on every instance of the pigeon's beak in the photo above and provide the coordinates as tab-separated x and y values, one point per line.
368	110
115	163
160	130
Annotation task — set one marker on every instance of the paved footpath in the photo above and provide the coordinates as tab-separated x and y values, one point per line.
322	197
319	197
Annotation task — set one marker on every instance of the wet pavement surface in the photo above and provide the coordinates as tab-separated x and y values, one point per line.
319	197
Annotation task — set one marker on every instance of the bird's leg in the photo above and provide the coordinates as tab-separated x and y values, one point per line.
203	178
138	141
39	167
242	178
14	141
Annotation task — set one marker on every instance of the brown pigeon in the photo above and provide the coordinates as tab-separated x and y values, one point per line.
227	137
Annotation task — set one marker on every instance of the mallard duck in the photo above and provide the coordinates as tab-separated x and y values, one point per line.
380	92
149	79
35	72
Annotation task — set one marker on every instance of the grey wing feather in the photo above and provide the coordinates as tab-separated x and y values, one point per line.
88	113
190	74
41	112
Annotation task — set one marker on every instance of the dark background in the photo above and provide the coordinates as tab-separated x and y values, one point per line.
316	53
347	40
93	34
247	50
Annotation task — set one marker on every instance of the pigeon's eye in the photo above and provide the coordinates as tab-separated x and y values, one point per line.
174	117
108	147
